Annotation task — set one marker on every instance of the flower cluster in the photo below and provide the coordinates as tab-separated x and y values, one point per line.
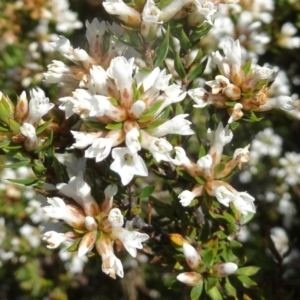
209	170
239	87
92	224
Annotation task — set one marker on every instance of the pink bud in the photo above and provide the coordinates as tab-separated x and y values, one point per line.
191	256
224	269
190	278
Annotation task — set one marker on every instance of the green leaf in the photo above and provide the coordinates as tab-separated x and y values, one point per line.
14	126
210	283
74	246
196	70
247	271
207	256
196	291
246	280
41	128
219	168
229	288
185	42
155	124
147	191
5	111
150	112
16	165
247	68
200	180
26	182
247	218
113	126
200	31
214	294
162	51
179	68
135	210
113	101
202	151
234	125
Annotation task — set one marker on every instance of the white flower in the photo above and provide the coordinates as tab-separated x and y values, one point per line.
218	84
101	147
200	96
150	22
177	125
71	214
38	106
127	14
223	195
131	240
132	140
282	102
280	239
127	164
121	70
115	217
218	139
186	197
159	147
31	141
169	11
83	139
236	113
205	162
191	256
54	239
243	202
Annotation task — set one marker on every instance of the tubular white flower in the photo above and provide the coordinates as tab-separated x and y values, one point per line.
218	139
54	239
116	218
159	147
190	278
186	197
83	139
191	256
205	162
38	107
169	11
281	102
127	14
63	45
72	215
177	125
101	147
121	70
94	35
236	113
111	265
131	240
224	196
243	202
110	191
132	140
31	141
127	164
87	243
200	96
150	20
218	84
224	269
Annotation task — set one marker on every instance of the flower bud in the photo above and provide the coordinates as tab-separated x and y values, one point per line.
21	110
232	91
224	269
191	256
90	223
190	278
